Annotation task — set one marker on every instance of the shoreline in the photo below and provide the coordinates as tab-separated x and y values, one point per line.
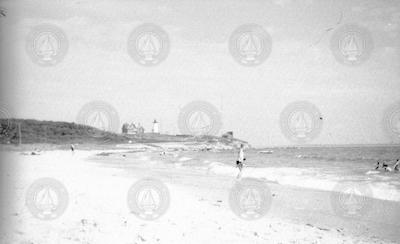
290	203
283	175
299	215
306	178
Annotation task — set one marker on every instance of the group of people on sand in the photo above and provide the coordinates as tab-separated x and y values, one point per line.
386	167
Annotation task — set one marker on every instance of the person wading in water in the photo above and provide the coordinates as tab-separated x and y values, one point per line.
240	160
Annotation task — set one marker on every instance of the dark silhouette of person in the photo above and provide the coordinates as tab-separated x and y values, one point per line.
397	165
377	165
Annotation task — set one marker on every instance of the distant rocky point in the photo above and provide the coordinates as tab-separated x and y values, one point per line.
28	131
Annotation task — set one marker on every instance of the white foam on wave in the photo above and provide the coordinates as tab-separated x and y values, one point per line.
305	178
183	159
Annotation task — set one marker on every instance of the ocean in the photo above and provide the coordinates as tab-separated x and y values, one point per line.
313	167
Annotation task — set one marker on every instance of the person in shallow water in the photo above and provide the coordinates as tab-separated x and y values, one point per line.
386	167
397	165
377	165
240	160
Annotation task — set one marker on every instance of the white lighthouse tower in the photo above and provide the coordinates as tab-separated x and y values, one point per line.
156	127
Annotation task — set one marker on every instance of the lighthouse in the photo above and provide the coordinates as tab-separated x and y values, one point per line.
156	127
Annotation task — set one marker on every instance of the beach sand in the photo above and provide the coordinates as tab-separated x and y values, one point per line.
199	211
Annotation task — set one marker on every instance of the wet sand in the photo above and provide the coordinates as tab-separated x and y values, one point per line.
308	207
199	210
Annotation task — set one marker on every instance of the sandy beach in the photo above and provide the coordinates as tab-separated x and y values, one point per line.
205	122
198	207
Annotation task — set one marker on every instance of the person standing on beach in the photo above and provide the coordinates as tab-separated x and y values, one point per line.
397	165
240	160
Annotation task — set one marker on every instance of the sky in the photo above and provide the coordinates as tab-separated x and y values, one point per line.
352	99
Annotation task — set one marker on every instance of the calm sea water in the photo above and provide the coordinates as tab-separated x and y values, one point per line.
321	166
348	158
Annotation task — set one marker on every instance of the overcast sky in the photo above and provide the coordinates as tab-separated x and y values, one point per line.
199	66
